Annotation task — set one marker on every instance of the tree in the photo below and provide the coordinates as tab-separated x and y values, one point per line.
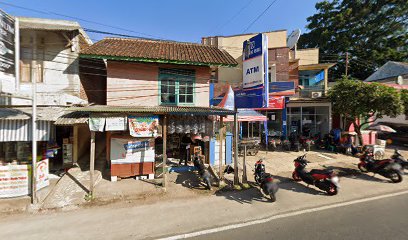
371	31
404	99
361	103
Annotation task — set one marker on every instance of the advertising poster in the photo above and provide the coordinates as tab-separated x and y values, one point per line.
132	151
277	102
7	53
281	88
96	124
143	126
14	181
42	174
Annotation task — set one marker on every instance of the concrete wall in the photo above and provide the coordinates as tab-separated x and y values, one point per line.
307	56
136	84
61	83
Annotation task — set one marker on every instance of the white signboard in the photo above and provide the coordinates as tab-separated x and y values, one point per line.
253	62
124	150
96	124
42	174
14	181
7	53
116	124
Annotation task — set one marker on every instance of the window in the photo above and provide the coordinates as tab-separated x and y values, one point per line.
26	64
176	86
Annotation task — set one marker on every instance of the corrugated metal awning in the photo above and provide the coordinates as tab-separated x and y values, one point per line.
72	118
24	113
20	130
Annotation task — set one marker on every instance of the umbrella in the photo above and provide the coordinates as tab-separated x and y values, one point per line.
382	128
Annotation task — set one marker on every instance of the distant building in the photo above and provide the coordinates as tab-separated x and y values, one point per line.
391	72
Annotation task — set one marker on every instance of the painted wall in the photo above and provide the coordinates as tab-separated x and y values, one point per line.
307	56
136	84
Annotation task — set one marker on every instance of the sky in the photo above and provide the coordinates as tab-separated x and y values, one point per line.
179	20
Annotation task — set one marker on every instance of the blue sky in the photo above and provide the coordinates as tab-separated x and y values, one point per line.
181	20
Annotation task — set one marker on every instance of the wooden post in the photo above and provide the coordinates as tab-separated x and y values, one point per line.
236	178
244	174
75	146
221	134
92	164
164	134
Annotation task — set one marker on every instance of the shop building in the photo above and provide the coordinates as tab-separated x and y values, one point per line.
46	52
297	80
156	95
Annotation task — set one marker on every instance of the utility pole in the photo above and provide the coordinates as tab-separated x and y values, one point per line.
347	62
34	119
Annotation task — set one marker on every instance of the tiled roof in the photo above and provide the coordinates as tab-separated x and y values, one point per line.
158	51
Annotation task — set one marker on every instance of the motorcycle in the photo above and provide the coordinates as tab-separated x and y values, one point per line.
306	143
398	158
265	180
387	168
294	142
274	143
324	179
202	171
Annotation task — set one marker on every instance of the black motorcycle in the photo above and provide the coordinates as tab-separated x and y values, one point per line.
387	167
265	180
202	171
324	179
294	142
398	158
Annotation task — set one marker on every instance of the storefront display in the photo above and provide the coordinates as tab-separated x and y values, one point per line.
143	126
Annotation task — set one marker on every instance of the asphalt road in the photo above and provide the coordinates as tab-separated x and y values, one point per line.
379	219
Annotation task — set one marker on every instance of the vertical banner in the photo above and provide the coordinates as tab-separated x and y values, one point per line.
254	92
125	150
7	53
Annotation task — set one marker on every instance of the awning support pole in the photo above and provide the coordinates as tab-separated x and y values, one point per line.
164	132
221	134
34	122
92	165
236	177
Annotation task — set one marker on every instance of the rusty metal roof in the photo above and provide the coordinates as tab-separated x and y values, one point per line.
154	110
24	113
72	118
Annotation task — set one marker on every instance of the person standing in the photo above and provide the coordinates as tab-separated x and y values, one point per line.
185	149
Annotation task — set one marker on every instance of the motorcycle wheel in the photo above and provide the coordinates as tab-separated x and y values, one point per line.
332	190
272	196
296	177
362	168
395	176
308	147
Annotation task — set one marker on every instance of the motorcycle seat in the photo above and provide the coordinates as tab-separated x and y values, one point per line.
320	171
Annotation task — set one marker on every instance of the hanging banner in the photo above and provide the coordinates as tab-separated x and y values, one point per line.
42	174
14	181
96	124
276	102
132	151
7	53
116	124
143	126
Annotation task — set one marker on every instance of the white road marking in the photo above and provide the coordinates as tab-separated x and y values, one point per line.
284	215
323	156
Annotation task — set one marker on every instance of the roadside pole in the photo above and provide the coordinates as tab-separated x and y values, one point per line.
221	134
92	165
244	173
236	177
164	134
34	122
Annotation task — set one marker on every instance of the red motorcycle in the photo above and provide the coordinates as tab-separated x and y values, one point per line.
388	168
324	179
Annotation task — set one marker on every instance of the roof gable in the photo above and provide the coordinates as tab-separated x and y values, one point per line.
388	70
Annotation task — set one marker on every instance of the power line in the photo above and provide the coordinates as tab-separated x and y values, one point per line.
259	16
76	18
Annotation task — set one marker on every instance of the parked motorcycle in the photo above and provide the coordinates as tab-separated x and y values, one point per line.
306	143
398	158
202	171
294	142
387	168
274	143
265	180
324	179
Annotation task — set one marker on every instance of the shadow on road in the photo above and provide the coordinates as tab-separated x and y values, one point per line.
243	197
190	180
289	184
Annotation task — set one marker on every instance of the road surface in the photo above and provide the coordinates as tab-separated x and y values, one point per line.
379	219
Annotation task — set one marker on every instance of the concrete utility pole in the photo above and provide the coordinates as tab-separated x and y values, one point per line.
92	165
221	134
34	119
164	134
236	177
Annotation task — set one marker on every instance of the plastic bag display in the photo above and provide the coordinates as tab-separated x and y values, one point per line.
172	126
202	125
179	125
195	125
187	125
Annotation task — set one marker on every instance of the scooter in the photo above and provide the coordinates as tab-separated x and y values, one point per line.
398	158
294	142
325	180
202	171
387	168
306	143
265	180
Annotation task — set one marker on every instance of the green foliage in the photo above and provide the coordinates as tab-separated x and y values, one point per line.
372	31
404	99
359	100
